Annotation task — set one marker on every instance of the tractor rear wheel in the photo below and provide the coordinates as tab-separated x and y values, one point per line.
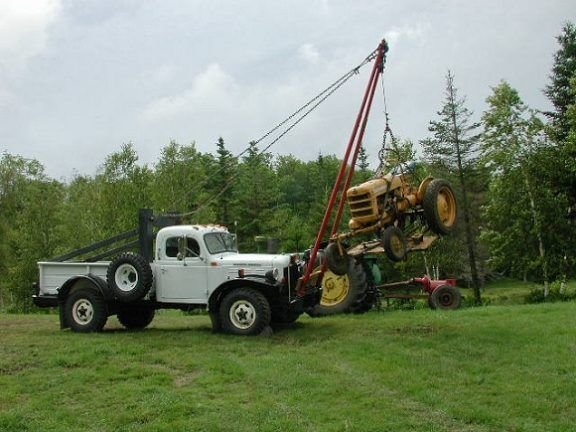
342	293
440	208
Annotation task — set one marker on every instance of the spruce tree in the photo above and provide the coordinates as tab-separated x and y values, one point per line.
560	91
453	147
224	182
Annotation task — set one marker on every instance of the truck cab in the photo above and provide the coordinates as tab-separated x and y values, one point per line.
208	256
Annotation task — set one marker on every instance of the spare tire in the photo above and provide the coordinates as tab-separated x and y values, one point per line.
341	293
440	208
129	276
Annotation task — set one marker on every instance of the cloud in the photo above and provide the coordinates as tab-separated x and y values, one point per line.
413	32
208	89
309	53
24	28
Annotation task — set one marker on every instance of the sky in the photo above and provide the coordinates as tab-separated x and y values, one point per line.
79	78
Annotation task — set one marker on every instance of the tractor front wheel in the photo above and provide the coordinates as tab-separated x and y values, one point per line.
395	244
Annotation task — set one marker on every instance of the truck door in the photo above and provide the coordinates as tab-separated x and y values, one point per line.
182	272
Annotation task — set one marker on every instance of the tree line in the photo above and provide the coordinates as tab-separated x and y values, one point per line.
514	172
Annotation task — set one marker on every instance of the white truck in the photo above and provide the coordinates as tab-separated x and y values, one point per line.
194	266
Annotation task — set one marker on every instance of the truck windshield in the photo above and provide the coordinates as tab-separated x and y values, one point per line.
220	242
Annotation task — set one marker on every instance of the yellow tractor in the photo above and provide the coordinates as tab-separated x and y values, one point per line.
390	206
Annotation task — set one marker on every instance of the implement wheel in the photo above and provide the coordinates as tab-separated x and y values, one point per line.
445	297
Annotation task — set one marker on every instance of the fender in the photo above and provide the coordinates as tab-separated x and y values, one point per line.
260	283
86	281
89	281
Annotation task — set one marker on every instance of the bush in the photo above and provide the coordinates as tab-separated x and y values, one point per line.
556	294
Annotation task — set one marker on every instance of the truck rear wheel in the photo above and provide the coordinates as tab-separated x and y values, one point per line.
245	311
135	317
85	311
129	276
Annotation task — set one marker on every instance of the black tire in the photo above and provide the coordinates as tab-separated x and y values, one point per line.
394	242
283	312
85	311
284	318
336	262
351	291
129	276
445	297
245	311
135	318
372	294
440	207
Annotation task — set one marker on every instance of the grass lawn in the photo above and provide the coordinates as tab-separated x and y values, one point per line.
497	368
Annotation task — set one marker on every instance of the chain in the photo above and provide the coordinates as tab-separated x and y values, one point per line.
382	154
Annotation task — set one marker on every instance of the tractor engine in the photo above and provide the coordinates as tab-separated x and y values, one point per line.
381	201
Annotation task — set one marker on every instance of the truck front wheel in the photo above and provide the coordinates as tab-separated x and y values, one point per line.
245	311
85	311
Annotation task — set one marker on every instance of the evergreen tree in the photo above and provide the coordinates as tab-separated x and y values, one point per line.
224	182
560	91
256	198
453	148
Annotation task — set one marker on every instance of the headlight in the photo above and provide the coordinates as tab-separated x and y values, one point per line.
273	275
